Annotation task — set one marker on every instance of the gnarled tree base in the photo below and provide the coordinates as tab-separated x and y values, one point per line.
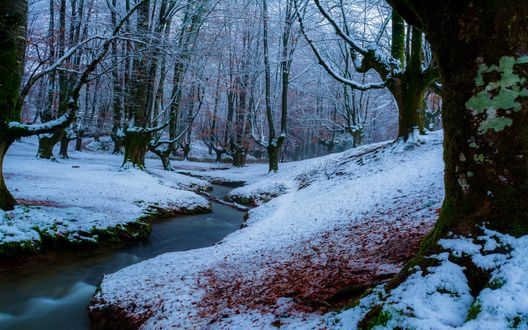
136	146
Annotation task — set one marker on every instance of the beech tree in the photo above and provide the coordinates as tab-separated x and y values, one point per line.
13	27
147	122
275	141
481	49
403	71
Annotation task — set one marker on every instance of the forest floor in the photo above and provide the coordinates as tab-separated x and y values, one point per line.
324	231
88	199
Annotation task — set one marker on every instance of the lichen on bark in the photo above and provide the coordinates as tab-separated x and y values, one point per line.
500	89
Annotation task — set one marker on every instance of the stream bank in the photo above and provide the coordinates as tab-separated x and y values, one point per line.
56	295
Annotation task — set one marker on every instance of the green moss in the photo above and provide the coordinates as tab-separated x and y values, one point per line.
448	292
474	310
381	320
517	321
496	124
502	94
51	239
13	249
496	283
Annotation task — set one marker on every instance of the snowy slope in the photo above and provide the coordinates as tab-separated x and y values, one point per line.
441	297
75	198
346	219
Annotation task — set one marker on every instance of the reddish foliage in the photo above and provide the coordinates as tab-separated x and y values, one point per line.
316	270
29	202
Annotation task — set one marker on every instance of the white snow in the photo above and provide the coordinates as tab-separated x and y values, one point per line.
88	191
440	298
362	211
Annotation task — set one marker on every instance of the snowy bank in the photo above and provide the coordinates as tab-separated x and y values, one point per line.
88	199
223	174
472	284
341	224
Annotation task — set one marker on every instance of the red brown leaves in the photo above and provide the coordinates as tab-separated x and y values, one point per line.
29	202
313	272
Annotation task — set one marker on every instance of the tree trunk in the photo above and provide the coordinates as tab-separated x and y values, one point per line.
13	23
165	160
239	158
117	139
164	155
65	142
136	147
117	93
78	141
186	148
409	88
46	144
7	201
273	158
484	71
408	100
219	154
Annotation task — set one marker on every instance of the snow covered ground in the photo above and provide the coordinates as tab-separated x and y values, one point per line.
224	173
87	198
348	220
443	296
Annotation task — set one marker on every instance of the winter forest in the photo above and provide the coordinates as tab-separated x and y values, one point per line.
262	164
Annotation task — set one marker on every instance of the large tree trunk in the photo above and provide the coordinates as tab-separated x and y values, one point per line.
13	22
137	138
408	96
46	144
484	71
7	201
409	87
239	158
136	146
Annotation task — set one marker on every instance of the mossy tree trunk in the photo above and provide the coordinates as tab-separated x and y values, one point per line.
164	155
7	201
273	157
289	42
13	22
484	71
48	141
408	87
403	73
137	138
239	158
136	145
165	161
46	144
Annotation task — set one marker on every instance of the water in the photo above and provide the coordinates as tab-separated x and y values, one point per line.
56	295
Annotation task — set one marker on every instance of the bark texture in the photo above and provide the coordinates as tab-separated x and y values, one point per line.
481	48
13	21
136	146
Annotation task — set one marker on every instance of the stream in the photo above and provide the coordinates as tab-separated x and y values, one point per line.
56	295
